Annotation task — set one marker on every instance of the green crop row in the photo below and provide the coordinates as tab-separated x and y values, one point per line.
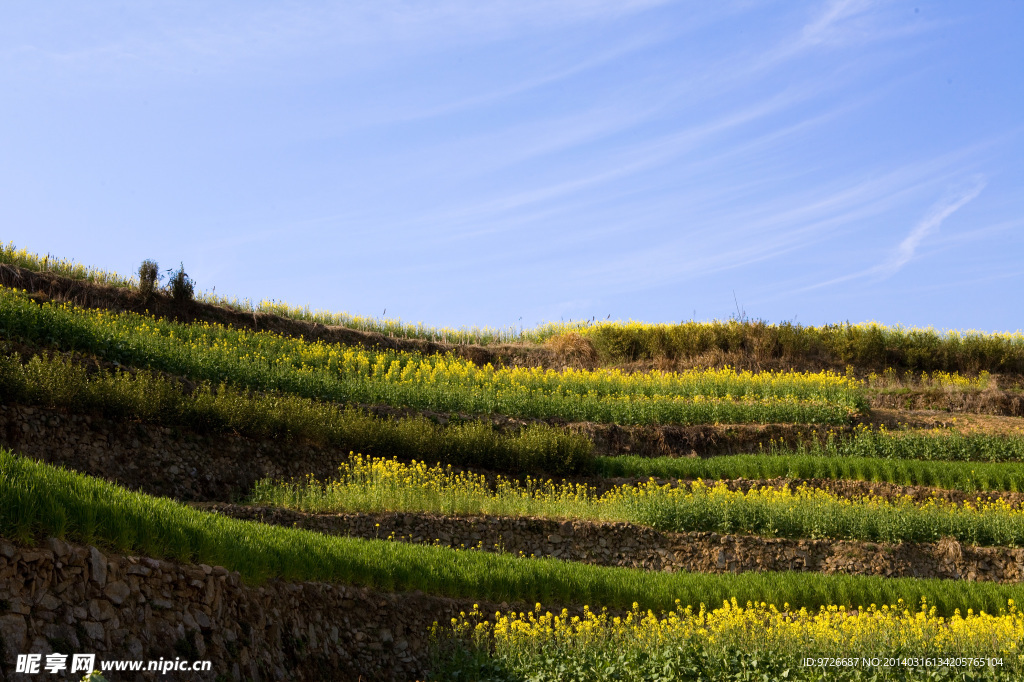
267	361
966	476
150	397
945	459
376	484
937	445
38	500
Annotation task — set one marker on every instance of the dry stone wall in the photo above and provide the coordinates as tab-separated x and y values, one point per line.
189	465
623	544
67	599
159	460
1008	403
699	440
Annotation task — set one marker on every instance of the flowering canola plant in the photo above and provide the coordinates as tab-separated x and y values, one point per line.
895	333
265	360
898	334
65	267
937	379
532	643
379	484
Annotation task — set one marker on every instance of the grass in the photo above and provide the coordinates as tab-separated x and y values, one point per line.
267	361
935	445
150	397
38	500
376	484
865	346
11	255
966	476
394	327
940	458
891	381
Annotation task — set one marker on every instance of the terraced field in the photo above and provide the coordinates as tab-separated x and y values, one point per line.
292	499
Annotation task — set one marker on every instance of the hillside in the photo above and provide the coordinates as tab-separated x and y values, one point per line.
292	498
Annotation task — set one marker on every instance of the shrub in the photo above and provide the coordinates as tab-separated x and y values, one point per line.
148	274
180	285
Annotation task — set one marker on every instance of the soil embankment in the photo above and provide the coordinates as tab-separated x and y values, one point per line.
632	546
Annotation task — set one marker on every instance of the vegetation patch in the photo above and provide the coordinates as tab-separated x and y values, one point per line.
150	397
372	484
267	361
634	546
749	343
755	641
38	500
868	347
944	459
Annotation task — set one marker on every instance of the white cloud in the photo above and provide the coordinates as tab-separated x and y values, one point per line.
906	249
931	221
827	26
179	37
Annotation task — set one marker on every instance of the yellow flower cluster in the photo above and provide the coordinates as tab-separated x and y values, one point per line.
367	483
892	379
9	253
272	350
634	326
398	367
759	627
377	484
262	360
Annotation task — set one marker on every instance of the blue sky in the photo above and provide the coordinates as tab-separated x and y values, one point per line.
508	163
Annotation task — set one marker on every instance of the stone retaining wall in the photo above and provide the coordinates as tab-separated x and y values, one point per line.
189	465
76	599
160	460
623	544
988	401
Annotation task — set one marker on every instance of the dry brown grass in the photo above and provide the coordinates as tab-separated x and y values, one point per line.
574	350
965	423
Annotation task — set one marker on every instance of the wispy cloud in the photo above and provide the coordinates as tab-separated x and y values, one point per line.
827	26
946	207
905	251
840	24
220	38
631	161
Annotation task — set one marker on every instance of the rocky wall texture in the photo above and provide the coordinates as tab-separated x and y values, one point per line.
623	544
699	440
69	599
159	460
212	466
1008	403
216	467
